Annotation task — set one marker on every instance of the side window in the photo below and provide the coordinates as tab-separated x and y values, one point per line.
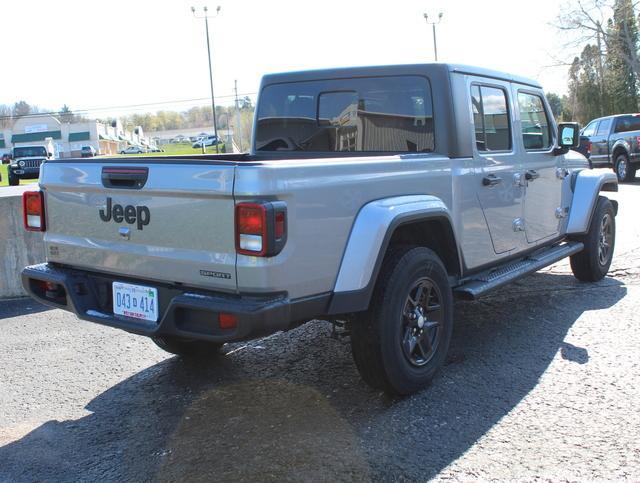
536	131
603	127
590	130
628	123
491	118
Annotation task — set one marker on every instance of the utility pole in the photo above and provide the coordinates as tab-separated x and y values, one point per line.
235	89
206	17
600	71
433	25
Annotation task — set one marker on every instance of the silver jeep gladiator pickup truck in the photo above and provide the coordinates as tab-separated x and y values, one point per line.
371	198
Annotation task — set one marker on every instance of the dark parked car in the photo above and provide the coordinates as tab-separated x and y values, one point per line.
6	158
25	163
613	141
88	151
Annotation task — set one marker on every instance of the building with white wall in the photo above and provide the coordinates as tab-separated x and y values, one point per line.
69	138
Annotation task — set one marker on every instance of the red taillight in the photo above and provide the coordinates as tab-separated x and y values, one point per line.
227	321
33	210
261	228
251	229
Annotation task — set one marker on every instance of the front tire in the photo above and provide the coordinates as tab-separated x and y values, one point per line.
13	180
593	262
624	170
187	348
402	340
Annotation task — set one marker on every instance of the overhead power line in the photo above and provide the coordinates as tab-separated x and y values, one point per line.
129	106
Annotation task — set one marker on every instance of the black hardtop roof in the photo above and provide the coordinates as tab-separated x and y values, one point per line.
402	69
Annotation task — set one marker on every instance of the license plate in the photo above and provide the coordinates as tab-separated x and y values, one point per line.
135	301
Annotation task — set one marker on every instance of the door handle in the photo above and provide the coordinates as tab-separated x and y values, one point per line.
124	177
491	180
531	174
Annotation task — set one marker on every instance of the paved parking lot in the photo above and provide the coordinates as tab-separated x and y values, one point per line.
542	381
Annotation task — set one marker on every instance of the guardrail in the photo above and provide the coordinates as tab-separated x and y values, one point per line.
18	247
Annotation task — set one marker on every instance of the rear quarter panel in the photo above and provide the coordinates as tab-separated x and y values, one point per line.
323	198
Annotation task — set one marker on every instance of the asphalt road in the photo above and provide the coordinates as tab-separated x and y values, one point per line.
542	382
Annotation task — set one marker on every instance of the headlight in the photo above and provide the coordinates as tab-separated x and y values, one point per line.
21	163
14	165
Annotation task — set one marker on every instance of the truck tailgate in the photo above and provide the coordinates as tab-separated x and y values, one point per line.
177	227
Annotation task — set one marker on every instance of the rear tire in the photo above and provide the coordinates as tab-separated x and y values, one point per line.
187	348
593	262
402	340
625	171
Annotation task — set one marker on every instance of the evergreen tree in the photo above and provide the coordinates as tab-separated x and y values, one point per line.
622	52
572	109
588	93
555	103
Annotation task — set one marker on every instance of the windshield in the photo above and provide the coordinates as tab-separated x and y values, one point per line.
392	114
29	151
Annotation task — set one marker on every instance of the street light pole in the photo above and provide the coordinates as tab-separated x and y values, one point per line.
213	101
433	25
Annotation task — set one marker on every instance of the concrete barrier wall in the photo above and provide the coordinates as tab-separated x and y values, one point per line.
18	247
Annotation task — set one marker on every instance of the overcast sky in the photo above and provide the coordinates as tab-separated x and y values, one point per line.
118	53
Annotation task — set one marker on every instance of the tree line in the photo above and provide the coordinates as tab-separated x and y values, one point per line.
603	79
10	113
195	117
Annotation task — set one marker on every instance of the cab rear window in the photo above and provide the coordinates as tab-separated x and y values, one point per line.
377	114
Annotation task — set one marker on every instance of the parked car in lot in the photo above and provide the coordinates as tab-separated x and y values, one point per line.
156	149
206	141
6	158
614	142
133	150
26	162
372	197
87	152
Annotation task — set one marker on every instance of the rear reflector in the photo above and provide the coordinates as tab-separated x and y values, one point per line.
33	210
280	225
227	321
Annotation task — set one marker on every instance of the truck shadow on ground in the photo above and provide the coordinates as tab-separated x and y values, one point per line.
20	306
293	407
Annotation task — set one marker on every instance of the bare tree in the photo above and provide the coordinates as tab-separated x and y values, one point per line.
589	21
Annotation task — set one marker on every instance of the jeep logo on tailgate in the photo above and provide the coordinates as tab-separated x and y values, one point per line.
140	215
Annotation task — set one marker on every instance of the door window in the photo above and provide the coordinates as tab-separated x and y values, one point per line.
603	127
536	130
491	118
590	130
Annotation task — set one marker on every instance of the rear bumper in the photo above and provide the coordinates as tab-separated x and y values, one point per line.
191	314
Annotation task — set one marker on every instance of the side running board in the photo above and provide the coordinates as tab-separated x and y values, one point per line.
483	282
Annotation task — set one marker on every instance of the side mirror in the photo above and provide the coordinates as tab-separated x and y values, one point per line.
50	154
568	135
